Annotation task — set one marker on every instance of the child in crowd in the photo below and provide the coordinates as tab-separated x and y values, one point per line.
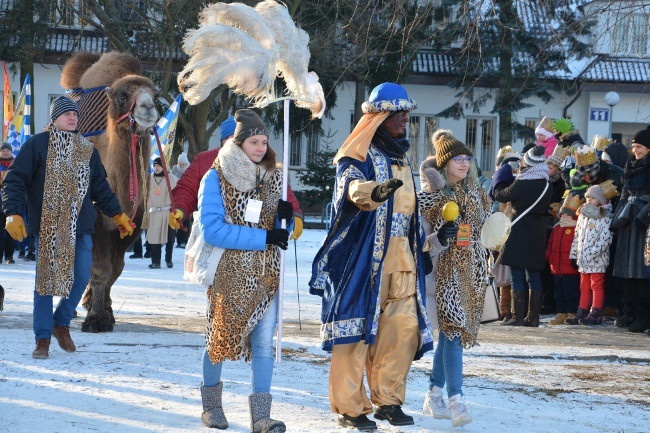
590	249
566	291
544	136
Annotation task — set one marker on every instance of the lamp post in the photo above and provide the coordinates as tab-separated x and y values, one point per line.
611	98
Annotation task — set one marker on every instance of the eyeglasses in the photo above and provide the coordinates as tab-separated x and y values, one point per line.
460	159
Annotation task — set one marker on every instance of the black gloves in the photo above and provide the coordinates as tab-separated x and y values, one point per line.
384	190
574	263
446	231
428	264
279	237
285	210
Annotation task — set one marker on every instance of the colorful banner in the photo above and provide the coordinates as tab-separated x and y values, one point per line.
20	126
166	129
8	103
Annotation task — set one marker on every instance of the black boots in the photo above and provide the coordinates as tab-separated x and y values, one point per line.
393	414
581	314
595	317
360	422
534	307
519	302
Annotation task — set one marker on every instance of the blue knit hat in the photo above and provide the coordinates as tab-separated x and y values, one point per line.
61	105
228	127
388	97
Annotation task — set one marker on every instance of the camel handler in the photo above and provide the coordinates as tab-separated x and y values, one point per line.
59	178
370	270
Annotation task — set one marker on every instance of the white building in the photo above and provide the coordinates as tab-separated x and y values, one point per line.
619	63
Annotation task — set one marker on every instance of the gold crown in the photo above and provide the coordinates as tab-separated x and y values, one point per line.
585	156
571	204
600	143
561	152
546	123
609	189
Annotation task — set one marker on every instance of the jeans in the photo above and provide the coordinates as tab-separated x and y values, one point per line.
43	318
448	366
262	354
520	279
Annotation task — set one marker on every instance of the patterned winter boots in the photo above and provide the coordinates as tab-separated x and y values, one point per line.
581	314
213	415
260	408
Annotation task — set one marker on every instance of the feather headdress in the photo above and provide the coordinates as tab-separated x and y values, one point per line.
245	48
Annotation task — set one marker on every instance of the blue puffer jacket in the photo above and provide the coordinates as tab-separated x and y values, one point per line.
218	232
24	185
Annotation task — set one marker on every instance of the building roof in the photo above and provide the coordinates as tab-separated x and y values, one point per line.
607	68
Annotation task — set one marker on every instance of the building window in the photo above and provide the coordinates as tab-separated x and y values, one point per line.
64	13
295	156
479	137
313	146
414	139
430	126
629	35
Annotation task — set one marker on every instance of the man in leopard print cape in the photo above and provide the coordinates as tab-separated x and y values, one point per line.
59	179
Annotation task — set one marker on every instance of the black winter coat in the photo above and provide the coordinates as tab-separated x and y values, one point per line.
628	260
526	245
24	185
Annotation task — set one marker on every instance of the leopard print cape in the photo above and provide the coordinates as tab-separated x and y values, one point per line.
460	290
246	281
67	174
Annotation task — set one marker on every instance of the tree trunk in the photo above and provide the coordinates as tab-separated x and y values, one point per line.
505	97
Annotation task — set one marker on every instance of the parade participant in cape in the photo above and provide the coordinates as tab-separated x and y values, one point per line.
525	249
462	269
240	209
629	222
370	270
185	193
159	231
59	177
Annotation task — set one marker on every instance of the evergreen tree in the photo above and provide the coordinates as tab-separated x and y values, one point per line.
319	176
514	49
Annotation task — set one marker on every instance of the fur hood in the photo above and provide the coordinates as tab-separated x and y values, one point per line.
430	177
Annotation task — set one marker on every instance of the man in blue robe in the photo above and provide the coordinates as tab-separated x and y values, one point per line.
370	270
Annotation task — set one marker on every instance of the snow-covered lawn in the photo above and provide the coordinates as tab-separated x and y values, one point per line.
145	376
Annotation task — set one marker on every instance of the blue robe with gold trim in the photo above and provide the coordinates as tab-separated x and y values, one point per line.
346	271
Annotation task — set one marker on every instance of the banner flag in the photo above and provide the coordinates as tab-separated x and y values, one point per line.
8	112
166	129
20	126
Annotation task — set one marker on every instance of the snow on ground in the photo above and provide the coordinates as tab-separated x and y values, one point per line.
145	376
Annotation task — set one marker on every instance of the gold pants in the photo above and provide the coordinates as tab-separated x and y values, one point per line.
387	361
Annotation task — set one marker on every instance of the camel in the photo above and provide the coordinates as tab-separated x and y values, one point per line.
125	91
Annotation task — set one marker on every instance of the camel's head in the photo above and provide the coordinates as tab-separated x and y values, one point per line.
135	94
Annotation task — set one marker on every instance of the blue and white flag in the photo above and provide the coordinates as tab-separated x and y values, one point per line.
20	126
166	129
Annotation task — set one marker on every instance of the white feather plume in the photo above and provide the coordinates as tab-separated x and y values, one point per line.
224	55
242	17
245	48
293	62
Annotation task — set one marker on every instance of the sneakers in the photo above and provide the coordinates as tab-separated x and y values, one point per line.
459	413
62	335
393	414
42	348
360	422
434	404
559	319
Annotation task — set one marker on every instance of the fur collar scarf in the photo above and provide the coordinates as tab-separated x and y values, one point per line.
430	177
242	173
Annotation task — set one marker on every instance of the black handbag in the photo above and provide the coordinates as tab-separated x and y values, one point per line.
622	216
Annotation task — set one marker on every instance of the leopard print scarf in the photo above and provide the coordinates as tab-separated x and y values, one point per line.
67	174
246	281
